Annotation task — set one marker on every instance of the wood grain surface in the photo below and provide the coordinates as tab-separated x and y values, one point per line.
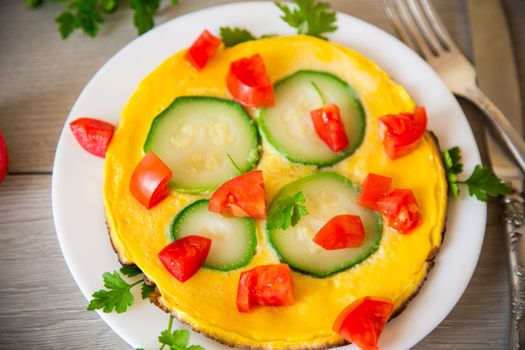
40	78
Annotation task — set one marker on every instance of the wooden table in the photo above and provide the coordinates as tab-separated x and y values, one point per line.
40	78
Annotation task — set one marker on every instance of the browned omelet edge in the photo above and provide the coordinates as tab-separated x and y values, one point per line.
155	296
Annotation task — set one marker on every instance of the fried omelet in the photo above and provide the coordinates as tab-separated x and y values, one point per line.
207	301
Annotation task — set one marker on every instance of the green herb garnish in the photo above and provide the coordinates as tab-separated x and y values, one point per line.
311	17
233	36
481	183
176	340
286	212
87	15
117	296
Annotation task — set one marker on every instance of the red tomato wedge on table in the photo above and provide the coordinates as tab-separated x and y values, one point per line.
202	50
401	210
402	132
149	182
242	196
374	188
93	135
342	231
4	161
329	127
268	285
249	83
363	321
185	256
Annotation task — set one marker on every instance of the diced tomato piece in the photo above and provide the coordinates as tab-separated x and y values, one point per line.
4	161
374	188
202	50
401	210
268	285
185	256
93	135
342	231
249	83
329	126
242	196
149	182
401	133
363	321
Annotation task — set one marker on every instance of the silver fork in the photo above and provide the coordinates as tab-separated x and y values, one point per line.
420	28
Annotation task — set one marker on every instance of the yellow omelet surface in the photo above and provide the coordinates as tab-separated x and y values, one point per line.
207	301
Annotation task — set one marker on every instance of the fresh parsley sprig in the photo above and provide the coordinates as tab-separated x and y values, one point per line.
87	15
232	36
481	183
117	296
310	17
286	212
177	339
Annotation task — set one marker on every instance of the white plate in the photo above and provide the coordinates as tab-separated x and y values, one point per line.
77	176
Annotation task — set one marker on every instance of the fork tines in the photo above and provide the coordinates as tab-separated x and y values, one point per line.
419	27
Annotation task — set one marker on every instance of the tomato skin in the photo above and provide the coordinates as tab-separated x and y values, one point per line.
363	321
4	160
149	182
202	50
401	210
268	285
185	256
401	133
374	188
93	135
329	126
249	83
242	196
342	231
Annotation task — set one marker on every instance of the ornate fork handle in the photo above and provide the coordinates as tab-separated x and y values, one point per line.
514	206
505	129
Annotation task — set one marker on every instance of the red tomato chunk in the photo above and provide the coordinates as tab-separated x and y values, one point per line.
202	50
4	161
329	127
93	135
249	83
242	196
185	256
374	188
149	182
401	210
401	133
269	285
342	231
363	321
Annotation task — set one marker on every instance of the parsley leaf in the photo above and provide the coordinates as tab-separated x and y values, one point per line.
34	3
108	5
233	36
177	340
117	296
80	14
144	11
310	17
453	167
483	182
130	271
146	291
286	212
67	24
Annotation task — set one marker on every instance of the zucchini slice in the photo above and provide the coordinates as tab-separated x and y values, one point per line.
233	240
194	135
288	125
326	194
